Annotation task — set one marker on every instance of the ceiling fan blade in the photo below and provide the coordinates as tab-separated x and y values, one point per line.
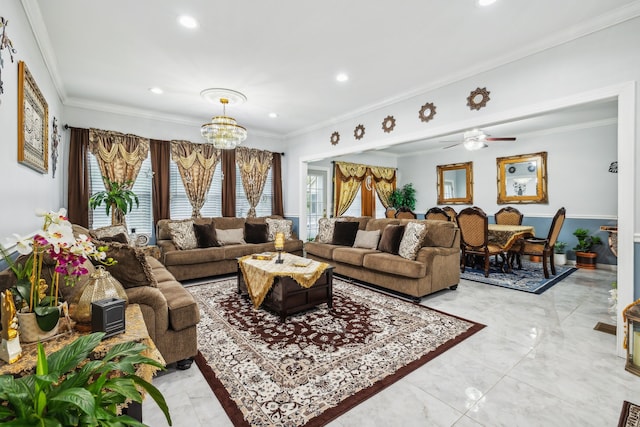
500	139
452	145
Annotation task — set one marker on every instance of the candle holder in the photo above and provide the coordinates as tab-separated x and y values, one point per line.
631	314
279	245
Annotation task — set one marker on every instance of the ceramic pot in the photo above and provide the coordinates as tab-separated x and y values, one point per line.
560	259
29	329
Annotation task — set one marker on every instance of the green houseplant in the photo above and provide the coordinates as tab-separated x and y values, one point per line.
67	390
118	198
404	198
585	256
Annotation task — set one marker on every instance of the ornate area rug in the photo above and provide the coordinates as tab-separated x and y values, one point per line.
630	415
529	279
318	364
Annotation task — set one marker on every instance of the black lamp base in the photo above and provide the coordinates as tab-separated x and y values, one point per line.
279	260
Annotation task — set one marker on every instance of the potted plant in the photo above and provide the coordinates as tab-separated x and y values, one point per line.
585	256
404	198
560	255
68	390
118	198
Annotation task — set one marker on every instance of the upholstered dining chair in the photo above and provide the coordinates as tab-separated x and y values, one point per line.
452	214
539	246
405	214
437	213
390	212
508	216
474	237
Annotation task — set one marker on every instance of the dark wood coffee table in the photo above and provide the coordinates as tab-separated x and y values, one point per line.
287	297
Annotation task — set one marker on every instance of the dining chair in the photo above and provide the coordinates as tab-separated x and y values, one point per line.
508	216
539	246
452	214
474	237
406	214
390	212
437	213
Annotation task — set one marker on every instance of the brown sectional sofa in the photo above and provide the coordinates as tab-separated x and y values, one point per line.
204	262
436	267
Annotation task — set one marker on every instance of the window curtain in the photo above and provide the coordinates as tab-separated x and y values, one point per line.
229	183
160	158
384	182
348	178
196	164
254	166
277	207
78	188
119	156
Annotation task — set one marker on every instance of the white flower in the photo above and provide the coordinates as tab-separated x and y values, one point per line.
22	244
59	217
59	236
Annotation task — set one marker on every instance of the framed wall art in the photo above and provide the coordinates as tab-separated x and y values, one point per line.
33	122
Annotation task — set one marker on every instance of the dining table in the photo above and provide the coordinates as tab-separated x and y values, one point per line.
506	235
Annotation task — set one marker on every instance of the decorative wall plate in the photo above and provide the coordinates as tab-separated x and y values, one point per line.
388	124
478	98
335	138
358	132
427	112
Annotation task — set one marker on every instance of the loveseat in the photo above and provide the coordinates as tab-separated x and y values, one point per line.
211	255
435	264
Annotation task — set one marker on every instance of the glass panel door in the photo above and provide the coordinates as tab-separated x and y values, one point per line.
316	200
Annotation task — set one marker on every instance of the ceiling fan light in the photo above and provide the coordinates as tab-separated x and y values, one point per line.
473	144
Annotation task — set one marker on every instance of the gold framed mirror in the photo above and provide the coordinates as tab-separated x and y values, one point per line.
522	179
455	184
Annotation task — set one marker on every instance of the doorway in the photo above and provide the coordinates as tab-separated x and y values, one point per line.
317	199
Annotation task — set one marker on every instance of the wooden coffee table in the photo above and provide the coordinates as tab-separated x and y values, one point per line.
286	296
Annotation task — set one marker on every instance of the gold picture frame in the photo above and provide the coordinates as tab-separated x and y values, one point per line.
455	184
33	122
522	179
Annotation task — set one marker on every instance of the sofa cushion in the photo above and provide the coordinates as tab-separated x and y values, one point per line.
367	239
119	238
182	234
353	256
391	238
344	233
255	233
412	238
194	256
380	223
279	226
227	223
394	264
440	234
232	236
322	250
236	251
206	235
132	268
361	220
183	309
108	231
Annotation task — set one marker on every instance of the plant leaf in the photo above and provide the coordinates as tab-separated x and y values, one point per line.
47	317
155	395
69	357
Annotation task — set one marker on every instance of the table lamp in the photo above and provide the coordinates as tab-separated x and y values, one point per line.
279	245
631	314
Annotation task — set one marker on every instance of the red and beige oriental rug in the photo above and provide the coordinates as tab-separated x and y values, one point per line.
319	364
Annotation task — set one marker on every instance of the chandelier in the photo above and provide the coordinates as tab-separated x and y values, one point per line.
223	131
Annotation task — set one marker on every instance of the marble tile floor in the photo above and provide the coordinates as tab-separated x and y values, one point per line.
539	362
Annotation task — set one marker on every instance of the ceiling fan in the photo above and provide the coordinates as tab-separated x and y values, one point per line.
476	139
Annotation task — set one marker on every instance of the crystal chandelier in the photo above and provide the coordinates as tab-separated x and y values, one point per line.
223	131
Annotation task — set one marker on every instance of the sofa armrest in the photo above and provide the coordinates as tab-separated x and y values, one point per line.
426	254
153	306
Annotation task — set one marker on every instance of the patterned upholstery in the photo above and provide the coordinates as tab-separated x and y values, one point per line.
508	216
474	237
437	213
452	214
540	246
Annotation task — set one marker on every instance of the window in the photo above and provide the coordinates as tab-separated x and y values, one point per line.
356	206
381	211
264	207
141	217
181	207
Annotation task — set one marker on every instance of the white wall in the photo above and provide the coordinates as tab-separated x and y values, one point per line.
23	189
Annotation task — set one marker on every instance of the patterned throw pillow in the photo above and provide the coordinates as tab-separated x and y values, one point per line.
412	239
183	235
279	225
325	230
108	231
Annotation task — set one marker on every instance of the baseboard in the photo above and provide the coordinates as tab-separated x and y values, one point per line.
607	267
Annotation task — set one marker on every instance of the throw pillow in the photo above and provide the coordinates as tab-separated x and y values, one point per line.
325	229
232	236
367	239
119	238
132	269
279	225
206	235
412	240
344	233
182	234
108	231
256	232
391	238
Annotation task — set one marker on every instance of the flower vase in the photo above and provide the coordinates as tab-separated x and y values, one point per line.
30	331
101	285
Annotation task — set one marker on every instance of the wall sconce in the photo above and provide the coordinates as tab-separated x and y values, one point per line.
279	245
631	314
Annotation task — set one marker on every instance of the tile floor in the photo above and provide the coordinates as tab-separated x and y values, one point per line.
537	363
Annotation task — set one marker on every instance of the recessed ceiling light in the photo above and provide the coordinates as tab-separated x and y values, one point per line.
156	90
342	77
273	115
486	2
188	21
